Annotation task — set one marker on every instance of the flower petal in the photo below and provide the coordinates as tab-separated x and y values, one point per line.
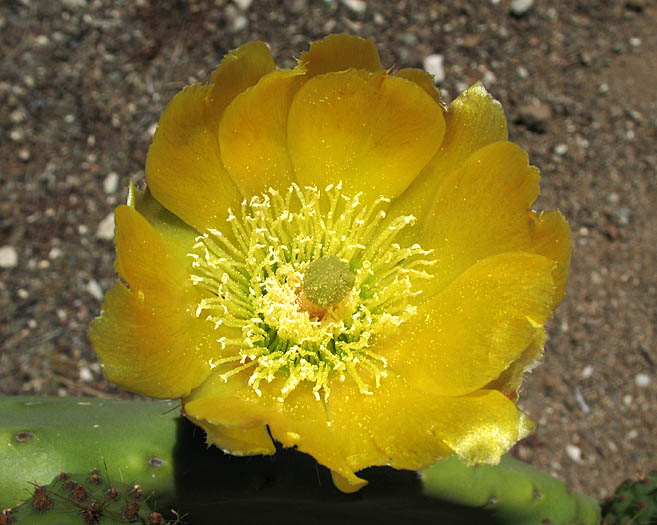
147	336
411	429
240	69
239	441
465	336
299	420
183	166
551	238
340	52
510	380
253	133
422	79
480	210
473	120
176	234
373	132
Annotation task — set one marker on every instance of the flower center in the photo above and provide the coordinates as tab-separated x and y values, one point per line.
311	279
326	282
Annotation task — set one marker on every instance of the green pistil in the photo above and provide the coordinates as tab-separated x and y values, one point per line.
327	281
311	280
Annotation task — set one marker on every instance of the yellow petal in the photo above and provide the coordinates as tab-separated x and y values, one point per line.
480	210
340	52
253	134
422	79
299	420
239	441
148	337
412	429
370	131
240	69
390	427
177	235
482	426
183	166
551	237
472	121
465	336
509	381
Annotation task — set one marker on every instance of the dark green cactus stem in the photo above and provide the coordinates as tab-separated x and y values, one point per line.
83	499
149	443
634	502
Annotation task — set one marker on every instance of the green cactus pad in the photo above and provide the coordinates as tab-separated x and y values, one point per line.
41	437
513	492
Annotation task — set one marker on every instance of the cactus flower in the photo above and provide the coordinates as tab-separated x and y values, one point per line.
331	257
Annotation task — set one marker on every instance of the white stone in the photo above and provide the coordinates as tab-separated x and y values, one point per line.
357	6
86	375
587	372
8	257
561	149
642	380
111	182
105	229
433	64
520	7
243	4
94	289
574	452
240	23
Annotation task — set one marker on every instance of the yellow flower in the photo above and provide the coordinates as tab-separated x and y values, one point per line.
332	254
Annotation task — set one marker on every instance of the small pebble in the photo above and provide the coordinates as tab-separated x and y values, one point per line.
642	380
17	116
94	289
24	154
8	257
357	6
86	375
243	4
535	117
587	372
240	23
561	149
111	182
574	452
624	215
105	229
17	135
520	7
297	7
433	64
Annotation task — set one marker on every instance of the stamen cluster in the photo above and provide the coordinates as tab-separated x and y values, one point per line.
253	274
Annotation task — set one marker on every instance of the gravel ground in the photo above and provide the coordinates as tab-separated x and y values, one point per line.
82	84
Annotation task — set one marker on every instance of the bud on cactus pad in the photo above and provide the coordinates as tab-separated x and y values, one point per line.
86	499
634	502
